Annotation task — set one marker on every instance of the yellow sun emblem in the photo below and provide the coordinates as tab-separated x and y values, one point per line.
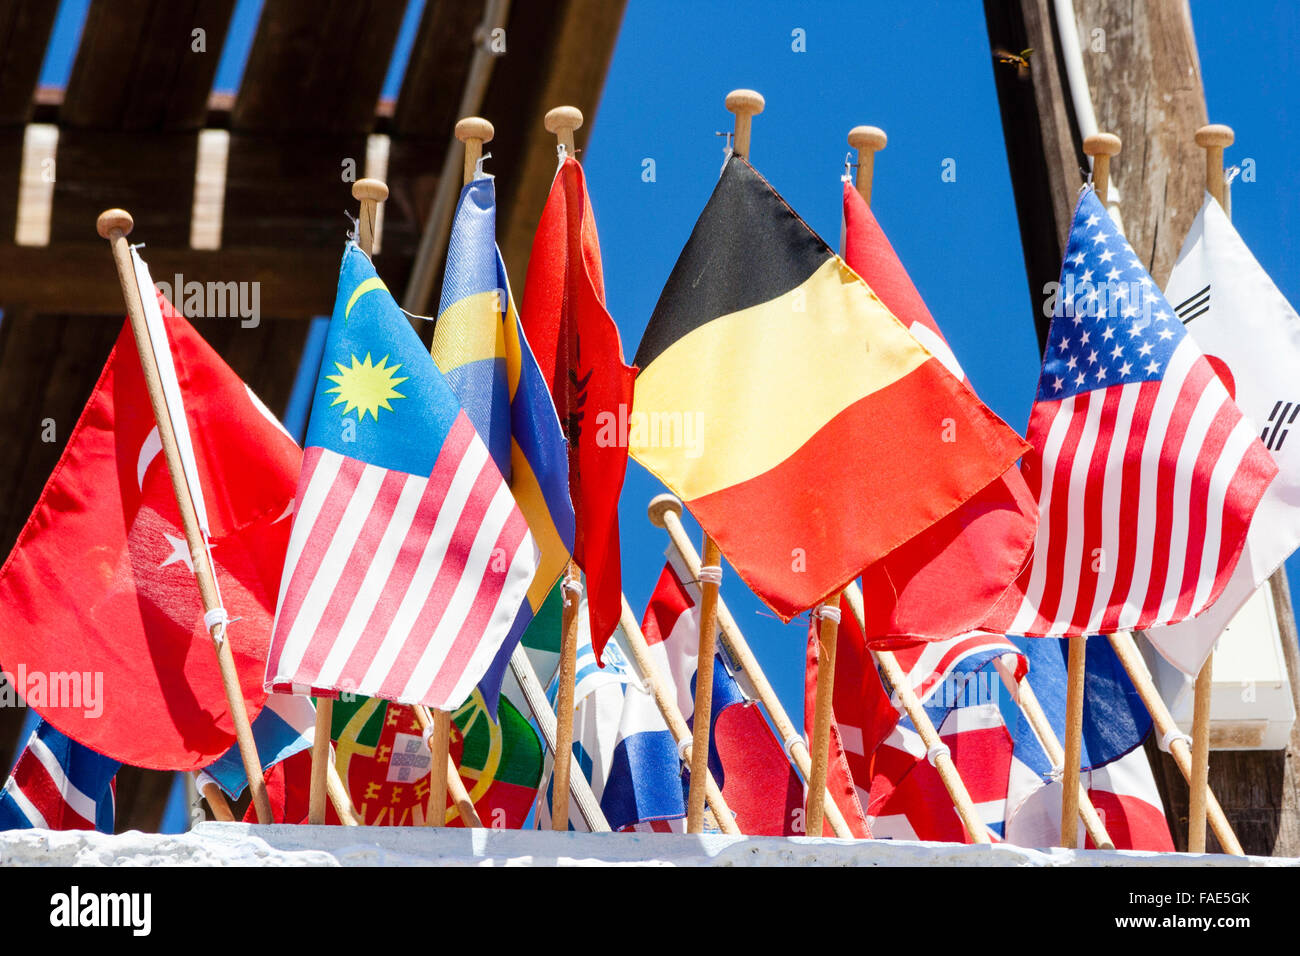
366	387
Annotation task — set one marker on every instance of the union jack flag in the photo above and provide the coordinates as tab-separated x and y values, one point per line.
1146	473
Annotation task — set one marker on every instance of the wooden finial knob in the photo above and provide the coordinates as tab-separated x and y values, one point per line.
476	127
1101	144
563	118
374	189
1216	134
745	102
661	505
111	219
869	138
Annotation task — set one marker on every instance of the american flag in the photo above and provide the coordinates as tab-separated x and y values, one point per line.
409	558
1146	473
58	784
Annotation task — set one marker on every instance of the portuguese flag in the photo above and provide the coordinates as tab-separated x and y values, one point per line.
805	428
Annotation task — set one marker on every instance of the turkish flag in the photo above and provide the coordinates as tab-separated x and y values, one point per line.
100	582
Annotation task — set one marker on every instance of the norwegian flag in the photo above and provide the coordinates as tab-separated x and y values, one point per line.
1146	473
58	784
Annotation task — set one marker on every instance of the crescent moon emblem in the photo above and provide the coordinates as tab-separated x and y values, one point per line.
150	450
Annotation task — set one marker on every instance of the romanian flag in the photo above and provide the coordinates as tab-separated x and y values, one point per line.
479	346
805	428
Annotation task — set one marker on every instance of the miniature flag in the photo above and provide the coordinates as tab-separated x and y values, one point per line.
581	359
621	741
409	558
100	581
1115	769
945	580
285	726
57	784
479	345
766	367
1146	473
1251	336
748	763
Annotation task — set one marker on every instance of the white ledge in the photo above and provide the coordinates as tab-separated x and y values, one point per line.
241	844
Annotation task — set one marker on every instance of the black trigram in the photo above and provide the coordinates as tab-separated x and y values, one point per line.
1279	421
1194	306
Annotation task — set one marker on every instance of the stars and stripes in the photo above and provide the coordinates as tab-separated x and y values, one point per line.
1146	473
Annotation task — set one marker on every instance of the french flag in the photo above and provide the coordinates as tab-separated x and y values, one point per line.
58	784
746	760
284	727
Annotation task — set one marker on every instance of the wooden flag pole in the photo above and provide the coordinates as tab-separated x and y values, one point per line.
1171	740
868	140
710	579
459	795
665	512
667	703
1101	147
562	121
936	751
473	131
827	641
115	225
746	104
218	803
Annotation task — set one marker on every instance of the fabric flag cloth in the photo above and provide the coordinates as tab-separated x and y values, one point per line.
479	345
384	762
409	559
758	784
945	580
766	359
57	784
622	743
285	726
1146	472
581	359
100	581
1251	336
1115	769
958	685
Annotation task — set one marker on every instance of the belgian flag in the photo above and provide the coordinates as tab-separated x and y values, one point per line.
802	424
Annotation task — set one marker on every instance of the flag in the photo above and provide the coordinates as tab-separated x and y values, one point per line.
581	359
959	687
1115	769
748	763
57	784
1146	473
766	368
409	558
285	726
479	345
100	581
1251	336
621	741
384	762
945	580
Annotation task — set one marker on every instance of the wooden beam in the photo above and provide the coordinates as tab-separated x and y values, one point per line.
24	34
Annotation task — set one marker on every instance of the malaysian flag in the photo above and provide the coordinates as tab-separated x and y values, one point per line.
58	784
408	559
1146	473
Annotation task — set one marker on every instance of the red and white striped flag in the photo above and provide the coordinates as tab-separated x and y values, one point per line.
1146	473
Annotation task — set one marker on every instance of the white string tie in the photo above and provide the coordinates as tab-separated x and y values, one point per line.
427	733
934	753
828	613
711	574
214	617
572	591
682	746
1056	773
788	745
1174	734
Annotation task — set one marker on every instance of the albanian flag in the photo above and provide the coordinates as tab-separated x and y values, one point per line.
580	356
100	583
805	428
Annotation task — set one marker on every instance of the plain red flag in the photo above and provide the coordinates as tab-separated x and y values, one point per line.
578	350
947	579
100	584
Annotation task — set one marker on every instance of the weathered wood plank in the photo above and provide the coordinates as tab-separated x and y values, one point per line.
24	34
431	90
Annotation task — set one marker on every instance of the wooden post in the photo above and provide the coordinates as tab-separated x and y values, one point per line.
218	803
115	225
1172	740
437	815
936	751
564	705
710	580
667	703
746	104
665	512
828	638
562	121
370	193
867	140
1072	758
473	131
1101	147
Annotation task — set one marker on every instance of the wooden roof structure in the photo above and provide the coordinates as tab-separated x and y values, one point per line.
133	129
